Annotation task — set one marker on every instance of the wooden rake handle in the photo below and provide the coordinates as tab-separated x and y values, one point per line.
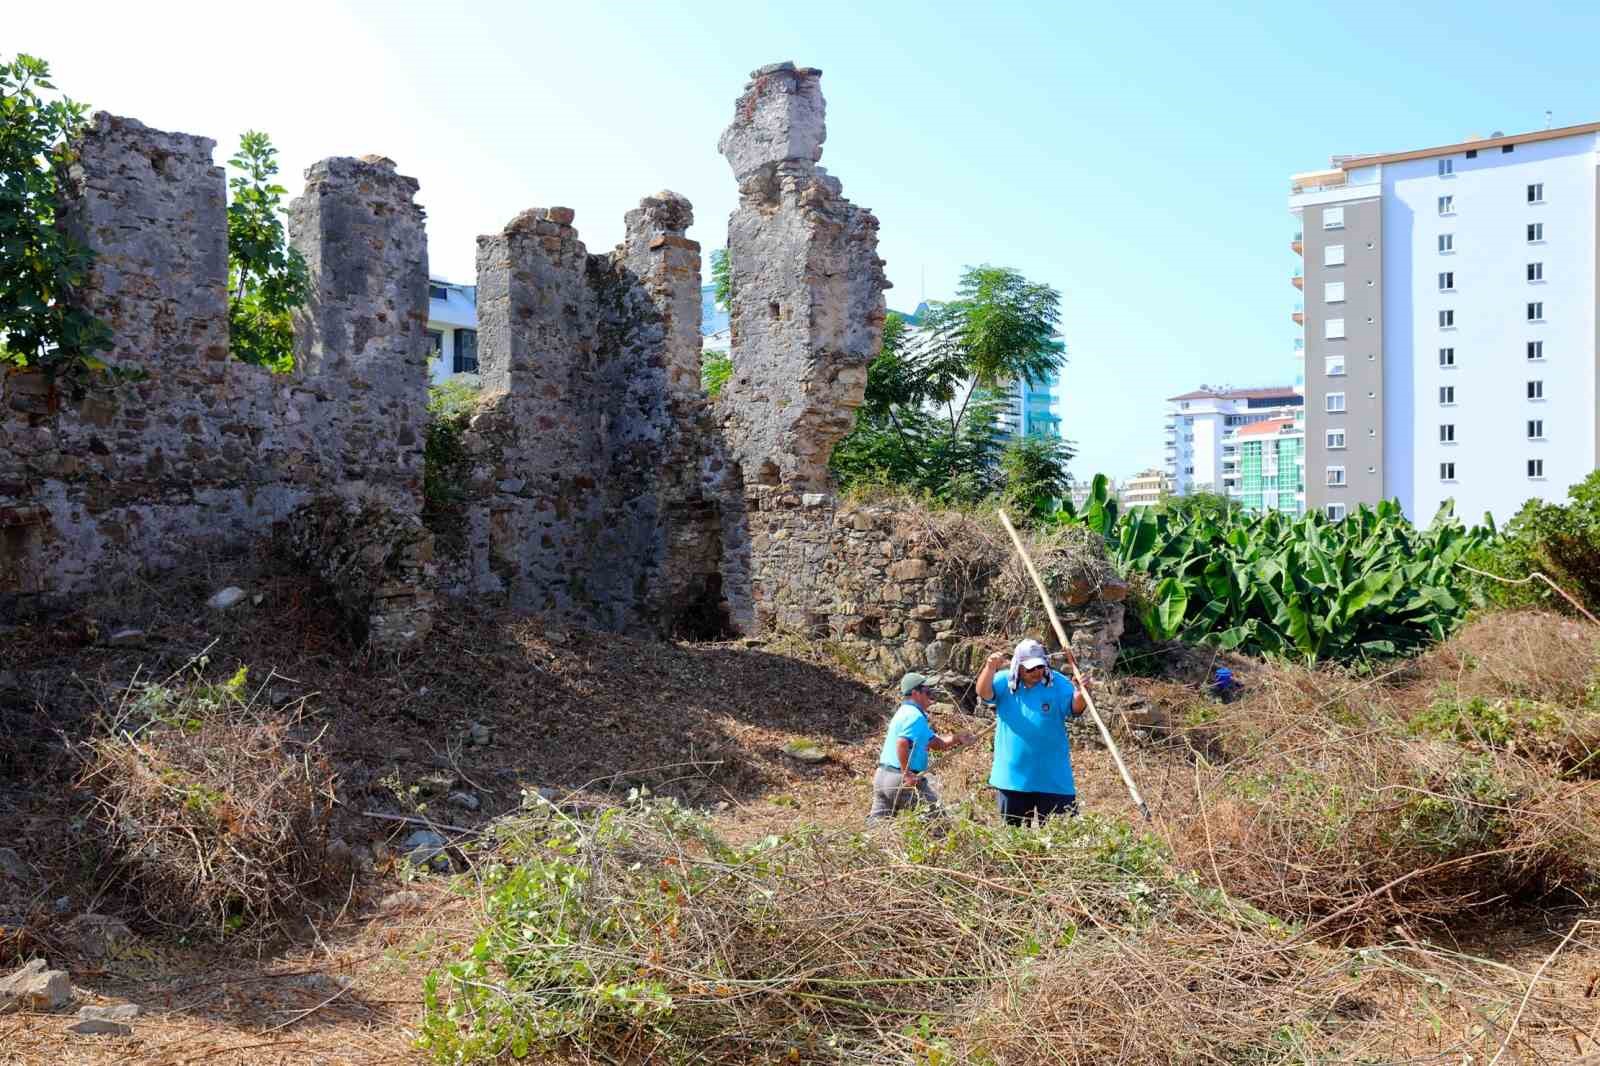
1072	662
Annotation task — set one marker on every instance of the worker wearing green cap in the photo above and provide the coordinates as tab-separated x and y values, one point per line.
900	780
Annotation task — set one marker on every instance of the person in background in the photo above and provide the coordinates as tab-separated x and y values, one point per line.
1032	774
900	780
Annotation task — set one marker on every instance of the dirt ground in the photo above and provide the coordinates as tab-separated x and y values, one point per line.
590	716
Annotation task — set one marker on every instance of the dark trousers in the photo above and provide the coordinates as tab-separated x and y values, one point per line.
1015	807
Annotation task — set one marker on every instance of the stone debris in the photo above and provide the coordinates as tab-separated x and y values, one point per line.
226	598
12	866
479	733
99	935
426	848
35	987
105	1021
397	902
805	751
465	800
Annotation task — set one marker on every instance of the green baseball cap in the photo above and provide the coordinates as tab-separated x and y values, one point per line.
911	682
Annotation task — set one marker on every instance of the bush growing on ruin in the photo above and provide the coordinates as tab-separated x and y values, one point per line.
715	370
721	279
41	264
267	279
444	451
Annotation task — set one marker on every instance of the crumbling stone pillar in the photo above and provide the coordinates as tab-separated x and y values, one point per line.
541	512
807	319
807	311
361	347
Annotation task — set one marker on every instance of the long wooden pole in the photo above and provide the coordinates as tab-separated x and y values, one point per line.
1077	677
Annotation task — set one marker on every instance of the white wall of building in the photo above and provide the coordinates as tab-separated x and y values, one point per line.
1489	259
458	310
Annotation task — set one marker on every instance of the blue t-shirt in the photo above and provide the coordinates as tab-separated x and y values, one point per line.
1031	750
911	723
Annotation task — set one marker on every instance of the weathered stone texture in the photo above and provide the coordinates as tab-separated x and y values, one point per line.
589	445
361	342
878	579
808	308
208	450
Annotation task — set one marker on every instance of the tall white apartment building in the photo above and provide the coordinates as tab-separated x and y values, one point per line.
1450	331
1202	452
452	330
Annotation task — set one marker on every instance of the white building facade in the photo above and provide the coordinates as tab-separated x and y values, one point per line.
1483	255
1200	431
452	330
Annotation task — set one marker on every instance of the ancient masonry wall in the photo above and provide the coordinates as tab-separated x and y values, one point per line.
807	310
587	494
208	450
877	580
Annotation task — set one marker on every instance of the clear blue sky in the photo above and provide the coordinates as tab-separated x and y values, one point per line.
1135	156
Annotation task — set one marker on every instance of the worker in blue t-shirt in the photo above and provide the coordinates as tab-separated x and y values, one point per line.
1032	772
899	781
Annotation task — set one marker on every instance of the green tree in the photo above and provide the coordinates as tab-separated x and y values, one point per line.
267	279
1034	476
721	279
1213	504
39	263
999	329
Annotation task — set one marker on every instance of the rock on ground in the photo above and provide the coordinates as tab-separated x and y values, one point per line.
105	1021
34	987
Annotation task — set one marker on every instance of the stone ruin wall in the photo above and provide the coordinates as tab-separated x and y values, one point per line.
600	484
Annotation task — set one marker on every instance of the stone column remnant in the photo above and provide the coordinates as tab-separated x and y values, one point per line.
808	307
541	513
361	346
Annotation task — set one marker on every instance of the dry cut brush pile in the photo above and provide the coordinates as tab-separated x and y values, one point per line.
642	937
214	807
1460	780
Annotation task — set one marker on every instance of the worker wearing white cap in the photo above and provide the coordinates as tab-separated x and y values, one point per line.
1032	774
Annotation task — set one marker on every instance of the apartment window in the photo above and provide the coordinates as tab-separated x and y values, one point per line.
1536	429
438	292
1447	357
466	351
1536	311
1333	366
1447	433
1447	319
1336	476
1535	232
1535	350
1536	390
1447	281
1447	205
1334	402
1333	218
1335	511
1335	438
1333	329
435	344
1506	149
1447	471
1536	468
1333	292
1447	167
1472	153
1447	243
1447	395
1536	193
1333	255
1535	271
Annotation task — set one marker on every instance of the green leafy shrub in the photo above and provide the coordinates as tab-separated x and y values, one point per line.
451	404
715	370
1561	541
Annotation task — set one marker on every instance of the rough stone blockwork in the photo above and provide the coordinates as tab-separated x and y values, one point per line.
207	450
807	314
588	495
874	578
